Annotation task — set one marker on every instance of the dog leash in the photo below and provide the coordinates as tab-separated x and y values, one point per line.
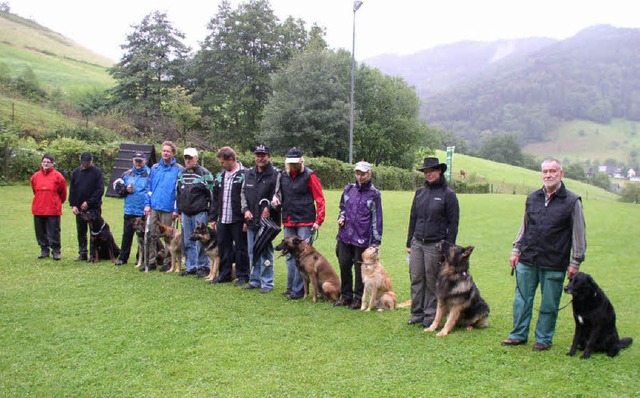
542	312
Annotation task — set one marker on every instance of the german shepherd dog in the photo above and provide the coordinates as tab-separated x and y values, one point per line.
376	283
174	246
313	267
458	295
139	226
102	245
209	238
595	319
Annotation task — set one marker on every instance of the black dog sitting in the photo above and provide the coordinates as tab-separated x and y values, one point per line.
102	245
595	319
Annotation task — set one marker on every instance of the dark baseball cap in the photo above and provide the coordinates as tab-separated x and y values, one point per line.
139	156
262	149
293	155
86	157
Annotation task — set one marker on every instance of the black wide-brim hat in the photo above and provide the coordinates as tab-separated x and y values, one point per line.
432	163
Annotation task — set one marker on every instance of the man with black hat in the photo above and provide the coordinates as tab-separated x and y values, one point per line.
257	191
49	193
133	186
85	192
434	217
299	188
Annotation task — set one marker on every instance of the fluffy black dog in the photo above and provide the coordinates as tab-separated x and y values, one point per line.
595	319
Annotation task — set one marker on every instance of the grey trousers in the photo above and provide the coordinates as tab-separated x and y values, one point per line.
424	266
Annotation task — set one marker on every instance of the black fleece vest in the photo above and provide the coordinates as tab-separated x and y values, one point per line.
547	238
297	200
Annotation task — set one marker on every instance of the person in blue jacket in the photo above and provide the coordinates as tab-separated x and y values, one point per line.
162	200
133	186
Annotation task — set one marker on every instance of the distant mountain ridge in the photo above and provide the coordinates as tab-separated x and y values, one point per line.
541	83
443	67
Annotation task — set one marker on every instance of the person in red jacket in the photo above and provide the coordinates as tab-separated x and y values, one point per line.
49	193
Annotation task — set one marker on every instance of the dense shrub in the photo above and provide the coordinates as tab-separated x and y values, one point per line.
460	186
630	193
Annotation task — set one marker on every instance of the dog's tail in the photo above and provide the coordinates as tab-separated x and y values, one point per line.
404	304
625	342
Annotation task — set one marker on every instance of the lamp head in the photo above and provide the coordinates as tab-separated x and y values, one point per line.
356	5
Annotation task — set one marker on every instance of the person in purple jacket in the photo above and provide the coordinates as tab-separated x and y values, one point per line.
360	226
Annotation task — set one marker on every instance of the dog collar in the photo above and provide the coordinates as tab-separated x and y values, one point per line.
101	228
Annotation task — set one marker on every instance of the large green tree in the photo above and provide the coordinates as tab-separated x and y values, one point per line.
153	62
502	148
310	105
232	78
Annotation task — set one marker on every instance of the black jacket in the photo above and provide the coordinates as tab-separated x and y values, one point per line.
236	192
257	192
86	185
193	191
435	214
546	242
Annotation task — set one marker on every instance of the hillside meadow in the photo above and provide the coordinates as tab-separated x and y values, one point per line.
76	329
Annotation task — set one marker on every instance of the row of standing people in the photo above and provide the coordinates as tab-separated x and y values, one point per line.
550	242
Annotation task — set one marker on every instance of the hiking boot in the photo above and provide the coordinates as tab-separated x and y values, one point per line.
43	254
119	262
82	257
56	256
202	272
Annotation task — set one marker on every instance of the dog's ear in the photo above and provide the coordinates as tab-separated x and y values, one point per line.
296	240
467	251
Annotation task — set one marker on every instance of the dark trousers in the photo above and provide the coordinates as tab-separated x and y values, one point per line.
127	237
48	233
350	257
233	249
82	227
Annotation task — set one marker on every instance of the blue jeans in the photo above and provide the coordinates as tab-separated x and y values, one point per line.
551	283
294	279
194	249
262	269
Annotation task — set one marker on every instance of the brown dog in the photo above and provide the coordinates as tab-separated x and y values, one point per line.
209	238
175	245
376	283
139	226
458	295
313	267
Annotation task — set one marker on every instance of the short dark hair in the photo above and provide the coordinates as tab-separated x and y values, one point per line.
226	153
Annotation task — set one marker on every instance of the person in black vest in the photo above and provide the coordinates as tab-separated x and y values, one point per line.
297	191
85	192
435	214
228	218
257	191
553	227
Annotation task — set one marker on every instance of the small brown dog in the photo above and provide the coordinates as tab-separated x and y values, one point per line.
175	245
376	283
313	267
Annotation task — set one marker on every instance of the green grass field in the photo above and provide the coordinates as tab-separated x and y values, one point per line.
70	329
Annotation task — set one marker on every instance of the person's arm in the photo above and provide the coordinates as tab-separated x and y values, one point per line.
62	188
579	239
453	216
515	252
98	189
318	196
412	222
342	215
376	221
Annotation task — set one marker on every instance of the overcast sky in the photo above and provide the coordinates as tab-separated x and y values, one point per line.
382	26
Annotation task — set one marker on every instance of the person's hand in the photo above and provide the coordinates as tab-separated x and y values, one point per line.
244	228
75	210
147	211
408	250
266	213
84	206
572	271
514	260
130	188
341	222
315	226
275	202
175	215
248	216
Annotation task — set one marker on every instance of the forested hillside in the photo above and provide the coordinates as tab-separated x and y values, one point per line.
591	76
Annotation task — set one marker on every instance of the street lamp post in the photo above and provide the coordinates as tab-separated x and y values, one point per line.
356	5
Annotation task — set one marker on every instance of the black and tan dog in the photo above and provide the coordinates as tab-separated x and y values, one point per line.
102	246
175	245
595	319
377	283
458	295
139	226
313	267
209	238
